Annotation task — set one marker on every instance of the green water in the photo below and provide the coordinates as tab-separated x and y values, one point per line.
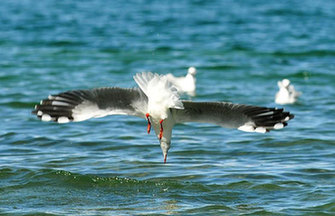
110	166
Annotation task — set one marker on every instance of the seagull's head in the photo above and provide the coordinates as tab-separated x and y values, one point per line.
165	146
192	71
286	83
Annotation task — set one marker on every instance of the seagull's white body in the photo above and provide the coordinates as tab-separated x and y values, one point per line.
186	84
158	102
287	93
162	95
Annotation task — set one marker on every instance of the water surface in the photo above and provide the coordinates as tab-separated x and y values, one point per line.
110	166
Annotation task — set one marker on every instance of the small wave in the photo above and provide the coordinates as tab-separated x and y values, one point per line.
211	208
309	53
297	142
328	208
163	49
8	77
286	12
110	50
268	187
65	43
292	183
220	67
30	178
239	185
19	104
315	170
8	135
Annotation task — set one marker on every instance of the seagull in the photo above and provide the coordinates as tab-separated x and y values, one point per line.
185	84
162	95
287	93
157	101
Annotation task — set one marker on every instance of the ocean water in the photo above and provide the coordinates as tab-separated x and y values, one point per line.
110	166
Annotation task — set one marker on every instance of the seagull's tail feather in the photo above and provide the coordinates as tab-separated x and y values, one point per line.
159	89
143	79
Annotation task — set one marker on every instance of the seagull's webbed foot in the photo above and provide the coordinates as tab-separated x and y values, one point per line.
149	122
161	129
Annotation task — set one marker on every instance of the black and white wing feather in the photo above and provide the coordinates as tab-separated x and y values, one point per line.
80	105
243	117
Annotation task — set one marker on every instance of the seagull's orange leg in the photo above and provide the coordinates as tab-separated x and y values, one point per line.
161	130
149	122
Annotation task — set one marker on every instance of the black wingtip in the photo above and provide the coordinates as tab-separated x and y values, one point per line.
269	118
51	109
291	116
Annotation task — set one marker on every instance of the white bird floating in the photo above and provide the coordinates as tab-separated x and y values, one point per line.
186	84
158	102
286	94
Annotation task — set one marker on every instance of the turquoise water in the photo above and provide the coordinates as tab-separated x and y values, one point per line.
110	166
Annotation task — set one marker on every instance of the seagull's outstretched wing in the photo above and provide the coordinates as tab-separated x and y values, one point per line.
243	117
80	105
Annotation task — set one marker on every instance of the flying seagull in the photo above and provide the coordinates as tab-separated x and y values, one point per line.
185	84
158	102
287	93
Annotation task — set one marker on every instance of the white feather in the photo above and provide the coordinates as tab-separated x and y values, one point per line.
247	128
63	119
278	126
260	130
87	110
46	117
161	94
59	103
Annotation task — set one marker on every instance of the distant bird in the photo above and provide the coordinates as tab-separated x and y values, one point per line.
158	102
286	94
186	84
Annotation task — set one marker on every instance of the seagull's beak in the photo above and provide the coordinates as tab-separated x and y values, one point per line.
165	156
165	148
